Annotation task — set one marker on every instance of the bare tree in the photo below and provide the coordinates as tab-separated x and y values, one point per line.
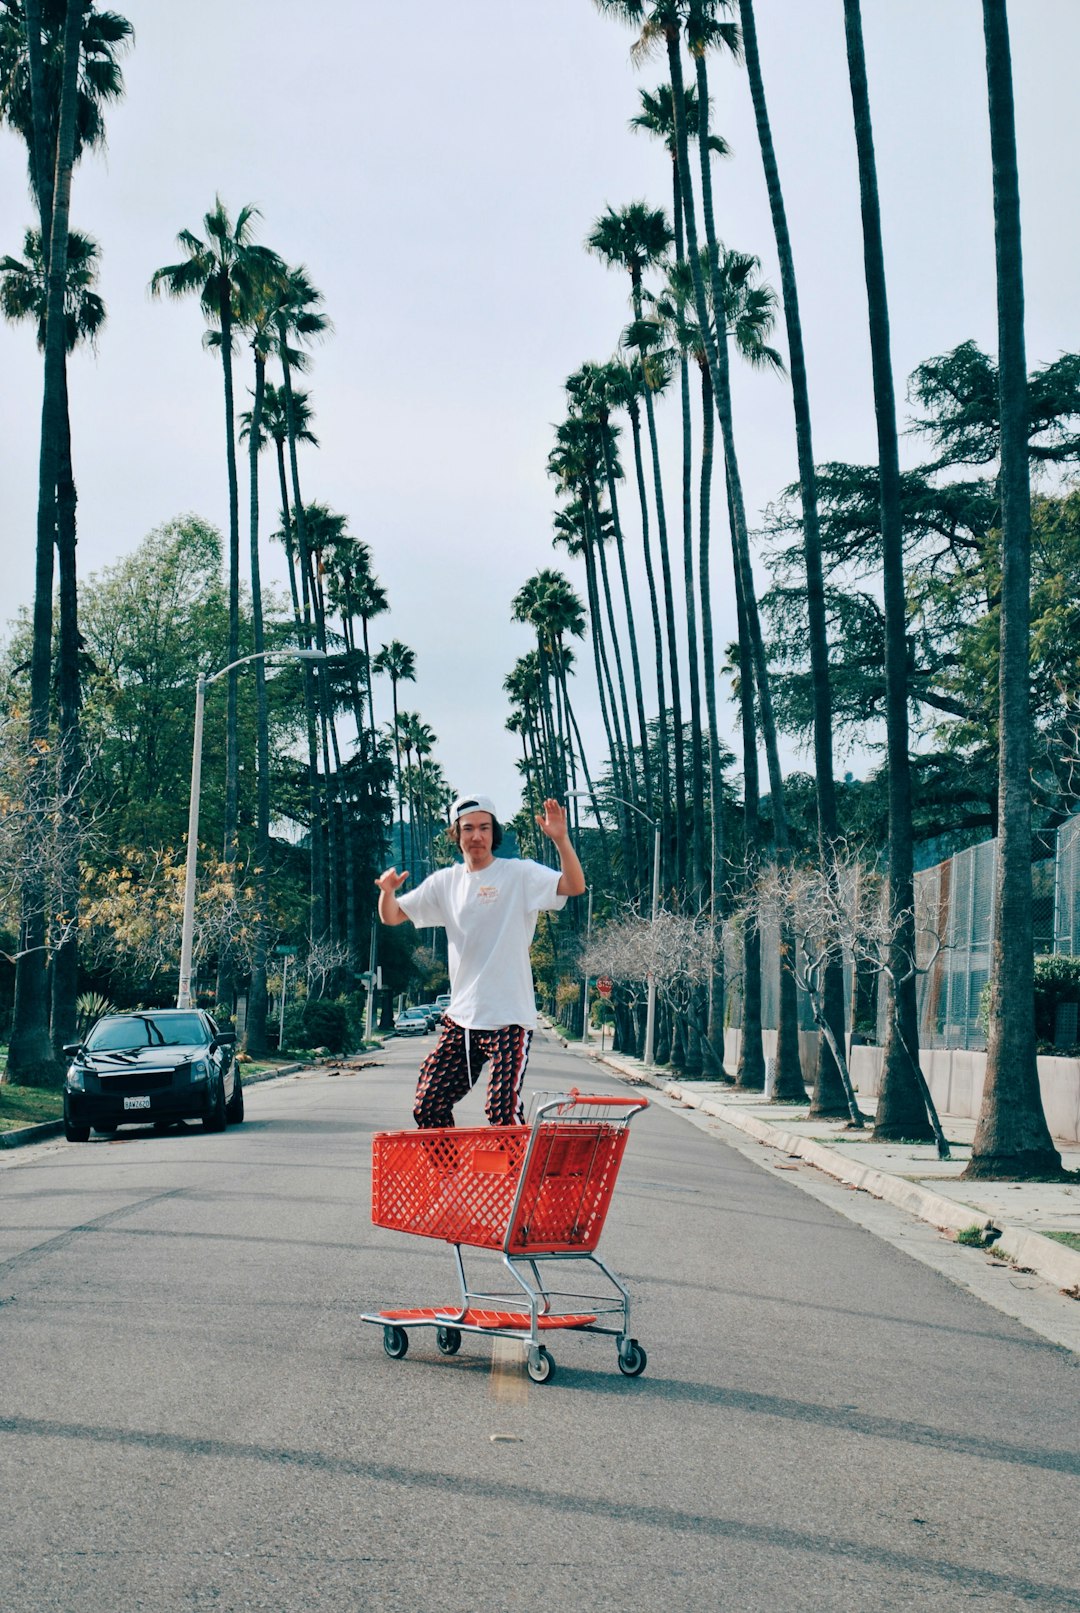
843	910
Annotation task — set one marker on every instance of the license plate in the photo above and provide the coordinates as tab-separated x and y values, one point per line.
136	1103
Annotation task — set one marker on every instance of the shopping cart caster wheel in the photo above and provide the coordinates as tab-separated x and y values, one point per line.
395	1341
448	1339
632	1358
539	1365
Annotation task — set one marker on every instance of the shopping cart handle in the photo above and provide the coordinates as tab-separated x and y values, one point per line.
612	1103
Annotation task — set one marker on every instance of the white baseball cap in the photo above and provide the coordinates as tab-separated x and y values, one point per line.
472	803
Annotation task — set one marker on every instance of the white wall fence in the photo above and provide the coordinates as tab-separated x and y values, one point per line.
954	1075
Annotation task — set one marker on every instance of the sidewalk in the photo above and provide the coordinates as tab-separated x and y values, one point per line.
1014	1217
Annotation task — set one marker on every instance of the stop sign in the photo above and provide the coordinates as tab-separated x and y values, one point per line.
603	986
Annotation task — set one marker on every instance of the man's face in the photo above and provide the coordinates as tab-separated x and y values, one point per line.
475	830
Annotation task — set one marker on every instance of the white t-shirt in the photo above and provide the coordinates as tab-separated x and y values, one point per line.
489	917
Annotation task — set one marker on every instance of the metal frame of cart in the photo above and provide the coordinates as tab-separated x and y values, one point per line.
538	1195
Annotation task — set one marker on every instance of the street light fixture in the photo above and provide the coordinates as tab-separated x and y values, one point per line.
650	1010
183	995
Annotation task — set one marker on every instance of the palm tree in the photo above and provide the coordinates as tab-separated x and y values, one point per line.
1012	1138
30	1054
749	315
327	534
23	296
226	270
636	238
257	322
573	463
398	662
625	389
828	1097
595	390
657	117
370	599
901	1111
418	737
299	317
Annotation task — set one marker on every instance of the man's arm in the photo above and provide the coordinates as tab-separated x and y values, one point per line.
553	824
390	909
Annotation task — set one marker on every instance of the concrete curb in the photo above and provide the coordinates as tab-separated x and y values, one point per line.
23	1136
1052	1261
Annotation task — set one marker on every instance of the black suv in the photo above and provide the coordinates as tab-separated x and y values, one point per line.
162	1066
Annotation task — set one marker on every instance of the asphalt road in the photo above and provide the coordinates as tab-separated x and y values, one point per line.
191	1416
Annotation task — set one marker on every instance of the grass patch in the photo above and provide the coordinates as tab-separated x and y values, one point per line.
28	1106
1071	1240
973	1237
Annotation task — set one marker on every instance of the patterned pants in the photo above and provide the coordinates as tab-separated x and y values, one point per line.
453	1069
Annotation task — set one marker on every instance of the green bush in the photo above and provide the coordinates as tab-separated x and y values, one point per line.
1057	980
319	1022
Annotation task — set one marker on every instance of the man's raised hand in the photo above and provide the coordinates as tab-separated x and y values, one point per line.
391	881
553	821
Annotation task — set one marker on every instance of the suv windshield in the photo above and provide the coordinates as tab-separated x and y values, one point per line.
146	1030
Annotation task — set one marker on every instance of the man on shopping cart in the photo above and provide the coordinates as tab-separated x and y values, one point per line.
488	906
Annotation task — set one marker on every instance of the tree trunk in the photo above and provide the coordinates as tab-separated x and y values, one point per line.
1012	1138
628	606
65	964
658	639
316	802
828	1095
713	1059
30	1054
255	1028
226	982
750	1071
672	647
901	1112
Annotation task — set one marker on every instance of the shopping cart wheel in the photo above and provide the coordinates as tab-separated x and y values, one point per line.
448	1339
395	1341
632	1358
539	1365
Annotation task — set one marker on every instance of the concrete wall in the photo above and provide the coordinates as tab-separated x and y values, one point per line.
955	1078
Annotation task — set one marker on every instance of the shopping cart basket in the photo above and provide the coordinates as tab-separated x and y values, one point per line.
538	1194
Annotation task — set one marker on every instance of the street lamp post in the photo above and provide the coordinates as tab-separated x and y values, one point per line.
187	933
650	1008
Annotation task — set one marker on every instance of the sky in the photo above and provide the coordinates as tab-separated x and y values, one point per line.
436	168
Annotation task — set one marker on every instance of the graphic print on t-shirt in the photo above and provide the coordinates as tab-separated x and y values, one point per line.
487	894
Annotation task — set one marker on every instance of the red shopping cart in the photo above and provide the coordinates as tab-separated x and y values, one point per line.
538	1194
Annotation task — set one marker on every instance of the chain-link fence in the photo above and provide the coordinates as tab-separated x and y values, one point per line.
954	916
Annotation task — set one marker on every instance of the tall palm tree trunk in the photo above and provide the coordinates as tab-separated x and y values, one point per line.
316	799
901	1112
714	1047
658	635
226	967
317	924
624	702
30	1054
1012	1138
255	1028
628	607
672	644
697	769
65	963
789	1080
829	1098
750	1071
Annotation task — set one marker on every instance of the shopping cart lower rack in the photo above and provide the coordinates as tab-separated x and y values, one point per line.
538	1194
